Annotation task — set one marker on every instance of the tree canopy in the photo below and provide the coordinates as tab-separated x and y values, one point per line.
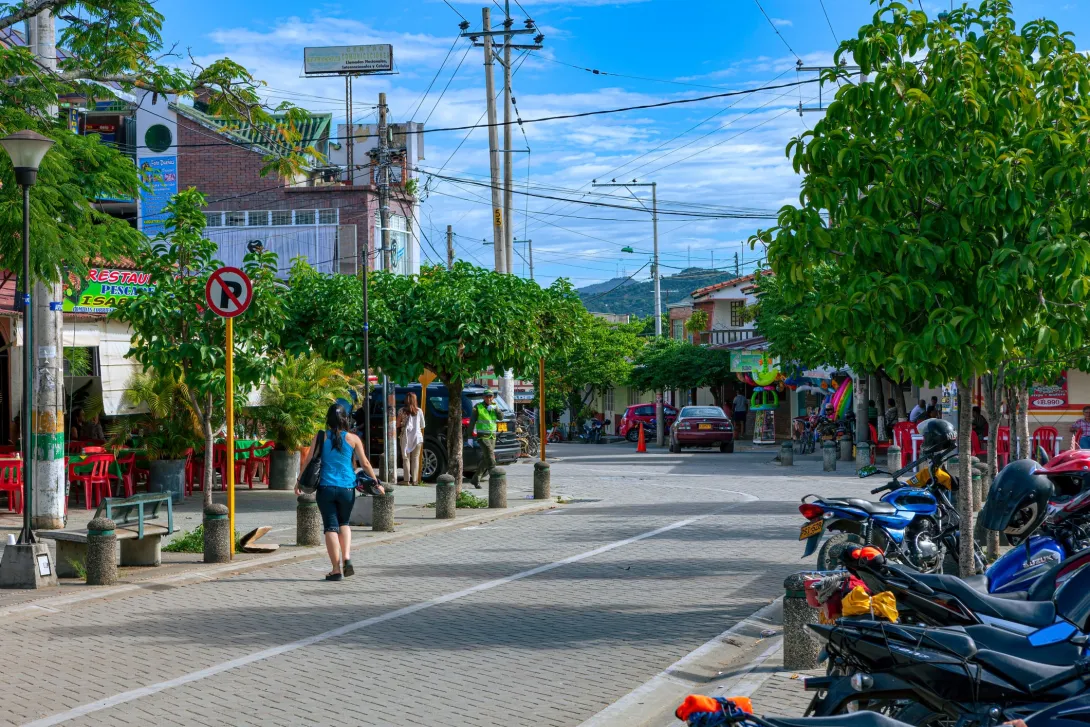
666	363
598	358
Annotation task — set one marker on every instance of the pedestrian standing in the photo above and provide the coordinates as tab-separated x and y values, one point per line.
411	423
483	424
738	407
917	411
337	487
1081	429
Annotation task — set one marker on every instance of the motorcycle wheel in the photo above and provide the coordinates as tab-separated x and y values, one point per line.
828	557
923	716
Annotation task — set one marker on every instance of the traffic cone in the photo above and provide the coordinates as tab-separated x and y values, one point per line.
641	445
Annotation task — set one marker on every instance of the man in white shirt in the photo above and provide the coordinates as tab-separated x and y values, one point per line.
918	410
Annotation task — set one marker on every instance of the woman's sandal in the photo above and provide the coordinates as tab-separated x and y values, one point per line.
347	569
334	577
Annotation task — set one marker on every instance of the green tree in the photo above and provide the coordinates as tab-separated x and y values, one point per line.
177	335
294	403
455	323
948	192
666	363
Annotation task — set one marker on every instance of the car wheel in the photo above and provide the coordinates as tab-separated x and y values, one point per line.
726	447
633	434
675	447
435	462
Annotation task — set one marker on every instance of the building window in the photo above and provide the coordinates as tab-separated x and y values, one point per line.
281	217
327	217
213	219
608	403
236	219
257	219
737	310
679	330
304	217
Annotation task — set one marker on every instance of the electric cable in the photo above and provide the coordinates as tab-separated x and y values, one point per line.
434	79
777	31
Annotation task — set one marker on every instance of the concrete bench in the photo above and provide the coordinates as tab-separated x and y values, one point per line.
139	541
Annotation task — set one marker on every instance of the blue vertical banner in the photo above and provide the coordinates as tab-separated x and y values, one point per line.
160	174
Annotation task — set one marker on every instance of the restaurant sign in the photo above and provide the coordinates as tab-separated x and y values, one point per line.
1049	396
102	289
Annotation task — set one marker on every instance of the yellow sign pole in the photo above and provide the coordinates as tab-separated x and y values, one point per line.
541	406
425	380
231	431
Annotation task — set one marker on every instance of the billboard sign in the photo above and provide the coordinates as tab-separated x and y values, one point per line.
345	59
1049	396
103	288
160	174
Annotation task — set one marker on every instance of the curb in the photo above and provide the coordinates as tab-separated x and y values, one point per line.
54	604
653	703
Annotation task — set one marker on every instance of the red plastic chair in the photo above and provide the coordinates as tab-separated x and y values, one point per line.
11	482
902	437
219	464
1003	446
97	481
127	480
978	451
260	462
1047	438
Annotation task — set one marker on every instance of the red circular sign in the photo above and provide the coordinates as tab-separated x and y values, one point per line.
228	292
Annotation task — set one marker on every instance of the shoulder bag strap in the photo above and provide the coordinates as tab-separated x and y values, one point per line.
321	442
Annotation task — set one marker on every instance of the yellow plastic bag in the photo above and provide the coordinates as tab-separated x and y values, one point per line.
881	605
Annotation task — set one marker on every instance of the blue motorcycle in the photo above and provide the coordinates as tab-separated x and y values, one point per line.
914	524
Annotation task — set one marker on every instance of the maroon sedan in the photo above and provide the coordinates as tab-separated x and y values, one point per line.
702	426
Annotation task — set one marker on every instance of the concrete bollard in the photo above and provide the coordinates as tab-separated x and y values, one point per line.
828	456
446	498
217	534
542	480
846	449
800	647
978	490
787	454
308	521
893	458
101	565
382	513
497	488
862	455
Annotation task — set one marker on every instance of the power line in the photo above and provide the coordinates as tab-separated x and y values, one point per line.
434	79
456	10
598	72
830	22
777	31
601	295
449	81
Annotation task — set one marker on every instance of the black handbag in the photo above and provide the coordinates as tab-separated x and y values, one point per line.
312	473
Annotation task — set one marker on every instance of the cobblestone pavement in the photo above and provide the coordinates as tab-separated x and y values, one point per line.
543	619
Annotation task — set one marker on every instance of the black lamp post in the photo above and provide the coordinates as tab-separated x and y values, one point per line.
27	149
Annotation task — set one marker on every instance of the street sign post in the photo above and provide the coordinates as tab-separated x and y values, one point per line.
229	293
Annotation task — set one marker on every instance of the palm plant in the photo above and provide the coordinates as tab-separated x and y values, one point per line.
294	404
170	427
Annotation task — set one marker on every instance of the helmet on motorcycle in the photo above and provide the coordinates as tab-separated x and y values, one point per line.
938	435
1069	472
1017	501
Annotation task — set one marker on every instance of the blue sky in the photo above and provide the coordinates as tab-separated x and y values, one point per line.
715	156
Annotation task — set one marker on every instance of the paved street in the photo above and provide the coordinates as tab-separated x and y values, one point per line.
543	619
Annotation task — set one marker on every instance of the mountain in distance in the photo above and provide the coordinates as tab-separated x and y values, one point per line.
637	297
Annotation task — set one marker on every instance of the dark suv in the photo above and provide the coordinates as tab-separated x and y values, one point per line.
435	429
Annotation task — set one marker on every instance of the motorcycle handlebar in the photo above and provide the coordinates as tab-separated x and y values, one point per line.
883	488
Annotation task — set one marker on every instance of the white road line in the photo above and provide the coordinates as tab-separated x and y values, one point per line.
140	693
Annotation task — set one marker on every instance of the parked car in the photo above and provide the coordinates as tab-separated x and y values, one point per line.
702	426
435	429
633	415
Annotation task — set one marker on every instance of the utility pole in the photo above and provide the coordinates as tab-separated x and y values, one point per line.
530	253
46	429
450	247
389	437
350	142
737	267
660	421
500	249
508	173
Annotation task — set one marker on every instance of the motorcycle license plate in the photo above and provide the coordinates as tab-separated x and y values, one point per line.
501	427
704	427
812	528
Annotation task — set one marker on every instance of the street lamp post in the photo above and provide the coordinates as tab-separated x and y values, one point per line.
27	564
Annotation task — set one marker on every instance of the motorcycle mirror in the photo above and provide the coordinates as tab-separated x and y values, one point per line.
870	470
1054	634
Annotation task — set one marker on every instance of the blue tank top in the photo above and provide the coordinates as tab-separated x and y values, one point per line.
337	466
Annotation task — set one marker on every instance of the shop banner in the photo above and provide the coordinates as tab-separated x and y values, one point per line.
160	174
761	367
1049	396
102	288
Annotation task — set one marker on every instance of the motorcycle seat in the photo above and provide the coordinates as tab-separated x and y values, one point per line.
1022	673
852	719
1028	613
996	639
867	506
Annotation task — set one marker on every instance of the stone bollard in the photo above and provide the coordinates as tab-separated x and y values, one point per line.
862	455
828	456
787	454
800	648
382	513
542	477
101	565
978	490
217	534
497	488
308	521
446	498
893	458
846	449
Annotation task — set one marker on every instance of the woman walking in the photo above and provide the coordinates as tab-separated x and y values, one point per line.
412	437
337	487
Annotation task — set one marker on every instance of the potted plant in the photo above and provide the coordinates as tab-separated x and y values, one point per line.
293	408
167	431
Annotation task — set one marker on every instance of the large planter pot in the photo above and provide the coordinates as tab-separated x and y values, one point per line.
283	469
167	475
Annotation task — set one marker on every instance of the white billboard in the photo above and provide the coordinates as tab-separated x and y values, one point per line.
348	59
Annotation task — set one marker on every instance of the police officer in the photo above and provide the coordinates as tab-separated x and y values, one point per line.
483	425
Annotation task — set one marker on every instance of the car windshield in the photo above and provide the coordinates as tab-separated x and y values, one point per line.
702	411
475	399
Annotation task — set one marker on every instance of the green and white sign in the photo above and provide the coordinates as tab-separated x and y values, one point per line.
102	289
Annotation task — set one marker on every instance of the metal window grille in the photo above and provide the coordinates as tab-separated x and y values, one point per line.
213	219
737	307
304	217
327	217
281	217
257	219
236	219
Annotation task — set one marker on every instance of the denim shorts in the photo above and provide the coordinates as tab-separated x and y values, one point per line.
335	505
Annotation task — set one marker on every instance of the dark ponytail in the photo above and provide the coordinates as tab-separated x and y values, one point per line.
336	421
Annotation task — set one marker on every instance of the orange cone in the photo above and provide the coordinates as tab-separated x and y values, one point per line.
641	445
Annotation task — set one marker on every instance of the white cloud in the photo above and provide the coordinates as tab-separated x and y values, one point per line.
782	22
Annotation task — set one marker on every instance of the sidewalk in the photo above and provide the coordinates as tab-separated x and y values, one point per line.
255	508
